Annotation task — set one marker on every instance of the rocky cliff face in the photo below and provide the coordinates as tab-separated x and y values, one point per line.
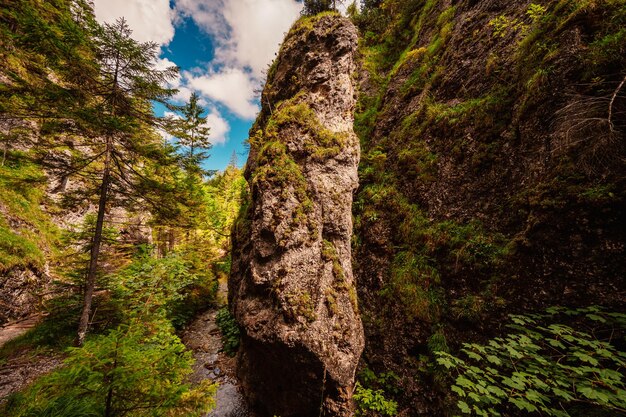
291	287
33	218
492	176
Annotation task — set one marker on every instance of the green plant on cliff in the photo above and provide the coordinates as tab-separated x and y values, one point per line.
231	335
372	393
22	185
373	400
313	7
544	366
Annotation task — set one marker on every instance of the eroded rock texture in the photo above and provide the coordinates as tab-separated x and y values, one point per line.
291	287
20	292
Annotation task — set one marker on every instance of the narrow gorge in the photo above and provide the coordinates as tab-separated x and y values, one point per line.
484	191
430	220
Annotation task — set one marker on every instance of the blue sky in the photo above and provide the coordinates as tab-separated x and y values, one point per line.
222	48
193	48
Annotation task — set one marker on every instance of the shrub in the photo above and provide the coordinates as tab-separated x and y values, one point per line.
138	369
231	334
373	400
554	369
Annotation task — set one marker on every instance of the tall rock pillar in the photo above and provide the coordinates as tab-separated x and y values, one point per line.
291	287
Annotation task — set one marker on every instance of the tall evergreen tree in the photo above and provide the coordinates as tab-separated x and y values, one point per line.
234	160
192	132
122	115
312	7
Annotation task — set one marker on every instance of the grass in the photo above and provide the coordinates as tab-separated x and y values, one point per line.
54	333
27	232
443	274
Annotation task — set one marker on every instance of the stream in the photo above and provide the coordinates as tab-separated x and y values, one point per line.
202	336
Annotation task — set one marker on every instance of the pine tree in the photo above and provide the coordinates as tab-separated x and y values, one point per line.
312	7
192	132
122	117
136	369
234	161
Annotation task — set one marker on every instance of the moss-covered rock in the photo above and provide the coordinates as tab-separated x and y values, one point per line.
492	177
291	286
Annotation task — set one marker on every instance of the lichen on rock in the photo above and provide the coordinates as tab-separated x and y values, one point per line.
291	287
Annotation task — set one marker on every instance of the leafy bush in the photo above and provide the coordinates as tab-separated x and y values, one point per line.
535	11
373	400
160	287
372	391
231	334
545	367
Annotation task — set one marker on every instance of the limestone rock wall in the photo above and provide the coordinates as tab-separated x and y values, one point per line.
291	287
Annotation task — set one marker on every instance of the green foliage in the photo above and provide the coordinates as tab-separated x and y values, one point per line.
79	97
503	25
21	195
373	400
372	392
408	141
313	7
40	39
137	369
152	287
387	381
190	130
424	249
535	11
545	366
231	335
224	194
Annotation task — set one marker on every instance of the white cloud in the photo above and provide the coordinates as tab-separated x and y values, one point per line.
172	115
163	64
247	32
258	28
246	36
343	7
150	20
183	95
232	87
219	127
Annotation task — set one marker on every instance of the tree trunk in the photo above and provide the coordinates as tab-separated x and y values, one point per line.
4	152
108	405
95	249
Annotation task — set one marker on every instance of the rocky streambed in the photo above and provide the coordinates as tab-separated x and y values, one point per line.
202	336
